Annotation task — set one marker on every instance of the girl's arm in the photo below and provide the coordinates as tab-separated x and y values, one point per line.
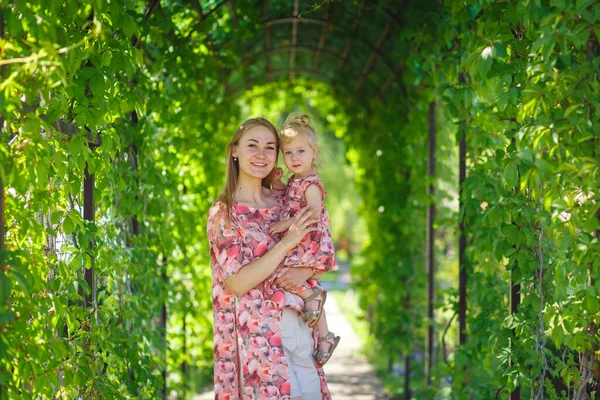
294	278
280	226
314	197
314	200
253	274
276	182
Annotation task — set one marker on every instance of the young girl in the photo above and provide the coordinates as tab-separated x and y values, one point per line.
299	147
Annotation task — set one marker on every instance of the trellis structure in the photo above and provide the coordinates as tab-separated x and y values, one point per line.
118	109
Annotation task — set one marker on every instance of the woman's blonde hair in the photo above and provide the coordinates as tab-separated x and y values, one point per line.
296	125
233	168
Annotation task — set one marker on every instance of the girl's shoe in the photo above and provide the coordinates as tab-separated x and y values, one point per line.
312	316
321	357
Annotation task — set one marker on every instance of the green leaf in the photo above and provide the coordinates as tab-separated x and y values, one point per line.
525	155
5	287
106	58
56	216
97	85
67	225
513	94
23	282
571	109
4	318
543	167
85	286
590	303
485	61
511	174
502	101
129	26
524	260
560	4
499	49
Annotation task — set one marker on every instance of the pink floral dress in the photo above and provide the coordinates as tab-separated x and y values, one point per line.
247	340
316	249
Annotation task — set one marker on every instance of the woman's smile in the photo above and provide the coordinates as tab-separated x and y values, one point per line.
256	152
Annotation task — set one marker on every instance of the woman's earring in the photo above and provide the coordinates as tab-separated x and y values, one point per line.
235	159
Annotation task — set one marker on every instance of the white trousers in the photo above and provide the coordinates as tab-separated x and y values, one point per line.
298	346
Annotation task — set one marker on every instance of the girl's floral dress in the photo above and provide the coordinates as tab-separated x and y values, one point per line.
247	340
316	249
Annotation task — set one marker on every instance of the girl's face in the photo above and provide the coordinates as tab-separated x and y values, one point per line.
256	152
298	156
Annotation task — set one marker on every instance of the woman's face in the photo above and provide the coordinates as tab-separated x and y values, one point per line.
256	152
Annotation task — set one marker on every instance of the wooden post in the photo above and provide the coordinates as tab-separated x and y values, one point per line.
133	161
515	299
163	323
133	151
2	250
429	247
3	255
462	240
407	393
184	364
515	295
88	215
2	223
407	354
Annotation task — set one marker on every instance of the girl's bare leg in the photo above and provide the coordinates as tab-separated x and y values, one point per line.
311	304
323	331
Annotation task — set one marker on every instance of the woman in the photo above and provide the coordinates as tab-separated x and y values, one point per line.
248	303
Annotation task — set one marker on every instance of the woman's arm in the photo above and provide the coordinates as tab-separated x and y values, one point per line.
254	273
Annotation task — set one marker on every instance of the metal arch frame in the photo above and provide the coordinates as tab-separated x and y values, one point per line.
274	73
267	34
296	12
328	26
283	49
372	57
324	34
331	27
349	41
338	28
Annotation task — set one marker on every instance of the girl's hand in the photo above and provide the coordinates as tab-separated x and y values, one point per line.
276	182
278	227
292	279
302	223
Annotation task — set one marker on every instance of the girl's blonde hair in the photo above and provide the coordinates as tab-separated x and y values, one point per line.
299	125
233	168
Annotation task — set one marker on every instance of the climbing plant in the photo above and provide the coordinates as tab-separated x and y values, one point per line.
93	90
520	80
103	290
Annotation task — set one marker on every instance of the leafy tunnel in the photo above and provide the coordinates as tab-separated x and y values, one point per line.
471	128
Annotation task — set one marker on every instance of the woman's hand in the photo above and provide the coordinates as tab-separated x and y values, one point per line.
292	279
302	224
